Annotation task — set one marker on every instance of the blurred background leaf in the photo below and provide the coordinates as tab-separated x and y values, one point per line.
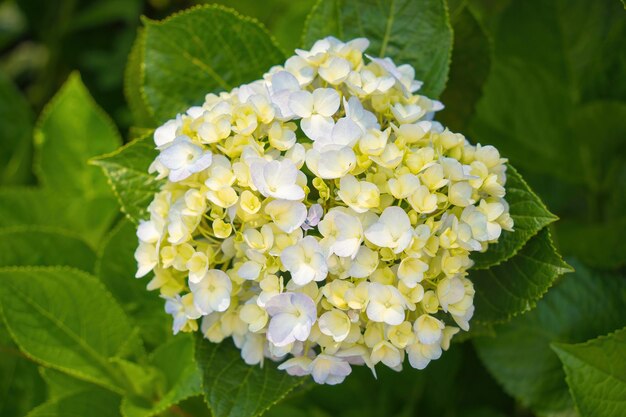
554	104
581	306
15	136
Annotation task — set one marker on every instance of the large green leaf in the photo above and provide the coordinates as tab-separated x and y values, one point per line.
182	378
127	170
596	374
284	19
71	130
88	217
36	245
234	389
581	306
16	119
21	387
60	384
116	268
91	402
415	32
65	319
205	49
514	286
529	214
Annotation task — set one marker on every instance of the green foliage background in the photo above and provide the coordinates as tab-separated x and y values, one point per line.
543	80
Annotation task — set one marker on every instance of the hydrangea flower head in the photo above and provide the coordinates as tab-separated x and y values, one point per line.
321	217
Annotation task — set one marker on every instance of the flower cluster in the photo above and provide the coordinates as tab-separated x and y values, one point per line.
321	216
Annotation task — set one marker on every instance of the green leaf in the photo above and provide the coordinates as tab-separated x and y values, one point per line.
88	217
21	386
596	374
16	118
71	130
65	319
415	32
595	234
127	170
529	214
182	378
513	287
234	389
61	384
203	50
132	83
580	306
471	61
94	402
36	245
116	268
599	244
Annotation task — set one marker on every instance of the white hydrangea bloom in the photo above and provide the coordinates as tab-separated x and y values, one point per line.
321	217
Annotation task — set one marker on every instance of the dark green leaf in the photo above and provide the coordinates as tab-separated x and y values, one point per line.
95	402
514	286
71	130
16	119
599	244
132	83
593	229
21	386
596	374
529	214
116	268
88	217
234	389
36	245
61	384
127	170
550	57
182	378
65	319
581	306
415	32
205	49
471	60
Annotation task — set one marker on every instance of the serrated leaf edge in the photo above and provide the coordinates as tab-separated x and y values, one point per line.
100	161
549	220
532	303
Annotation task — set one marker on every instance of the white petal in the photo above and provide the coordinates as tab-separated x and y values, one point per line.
326	101
301	103
317	127
345	132
283	80
280	330
166	133
249	270
379	235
